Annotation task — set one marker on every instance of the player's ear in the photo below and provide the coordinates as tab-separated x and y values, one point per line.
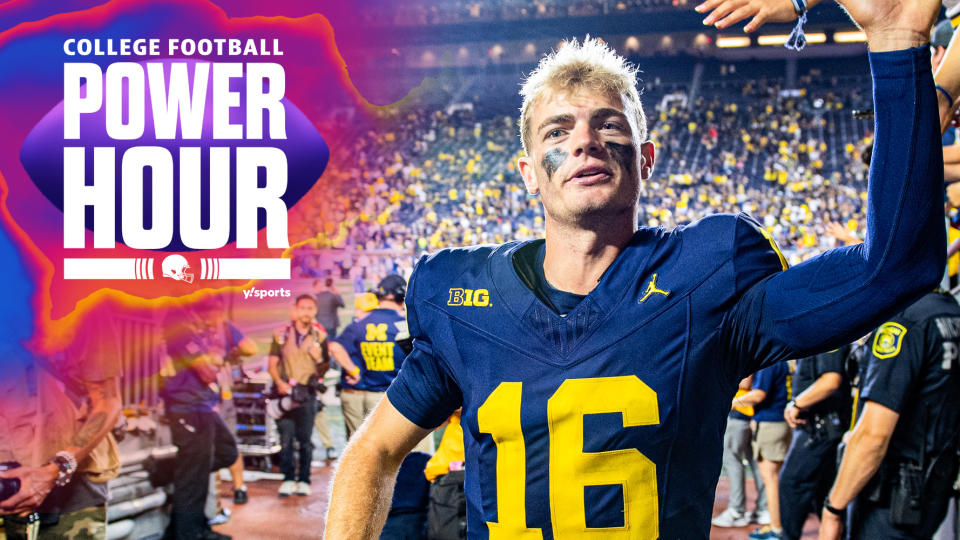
648	154
525	164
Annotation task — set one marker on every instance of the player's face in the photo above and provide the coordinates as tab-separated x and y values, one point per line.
305	311
585	161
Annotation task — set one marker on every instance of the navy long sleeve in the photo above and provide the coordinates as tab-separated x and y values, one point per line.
842	294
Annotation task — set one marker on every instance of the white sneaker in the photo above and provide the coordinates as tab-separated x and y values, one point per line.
287	488
761	517
303	489
731	518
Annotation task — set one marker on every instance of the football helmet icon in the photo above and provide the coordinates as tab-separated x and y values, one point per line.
175	267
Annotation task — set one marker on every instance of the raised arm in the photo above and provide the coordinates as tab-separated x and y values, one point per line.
835	298
363	485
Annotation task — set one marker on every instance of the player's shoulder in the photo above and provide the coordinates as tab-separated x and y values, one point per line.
451	264
737	238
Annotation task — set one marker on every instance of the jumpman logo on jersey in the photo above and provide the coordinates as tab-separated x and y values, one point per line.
652	288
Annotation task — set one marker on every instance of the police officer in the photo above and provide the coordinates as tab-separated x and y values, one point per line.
368	353
819	415
900	461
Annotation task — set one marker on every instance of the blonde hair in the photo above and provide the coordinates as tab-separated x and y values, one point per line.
591	64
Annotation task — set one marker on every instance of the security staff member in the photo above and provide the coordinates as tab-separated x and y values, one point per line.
368	352
900	461
819	415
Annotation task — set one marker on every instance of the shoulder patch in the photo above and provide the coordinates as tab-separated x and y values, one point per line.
888	340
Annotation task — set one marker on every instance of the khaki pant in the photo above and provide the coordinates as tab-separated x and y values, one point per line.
358	404
322	426
85	524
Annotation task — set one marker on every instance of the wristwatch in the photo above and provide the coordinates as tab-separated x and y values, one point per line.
66	465
840	512
793	403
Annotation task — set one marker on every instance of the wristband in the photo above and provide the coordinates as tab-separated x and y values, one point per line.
797	40
354	372
66	465
946	94
793	403
839	512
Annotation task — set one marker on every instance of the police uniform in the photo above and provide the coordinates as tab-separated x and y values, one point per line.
811	465
912	369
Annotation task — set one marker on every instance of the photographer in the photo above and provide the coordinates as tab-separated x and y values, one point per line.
900	462
819	415
56	414
296	356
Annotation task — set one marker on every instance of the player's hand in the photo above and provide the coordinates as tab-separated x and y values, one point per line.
724	13
352	379
283	388
893	24
953	194
830	526
35	485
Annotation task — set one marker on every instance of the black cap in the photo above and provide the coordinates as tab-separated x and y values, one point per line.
392	285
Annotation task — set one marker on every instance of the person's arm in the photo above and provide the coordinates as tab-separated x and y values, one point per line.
724	13
752	398
951	154
948	77
820	390
340	356
834	298
865	451
273	367
369	465
37	482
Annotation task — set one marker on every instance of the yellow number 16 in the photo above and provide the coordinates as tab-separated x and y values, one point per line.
572	469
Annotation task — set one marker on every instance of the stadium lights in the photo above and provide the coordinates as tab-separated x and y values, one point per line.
729	42
849	37
780	39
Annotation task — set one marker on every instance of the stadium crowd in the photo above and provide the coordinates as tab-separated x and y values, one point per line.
442	178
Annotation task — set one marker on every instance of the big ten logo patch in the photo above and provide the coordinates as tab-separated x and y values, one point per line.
469	297
377	352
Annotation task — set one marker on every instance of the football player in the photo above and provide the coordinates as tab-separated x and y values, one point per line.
596	368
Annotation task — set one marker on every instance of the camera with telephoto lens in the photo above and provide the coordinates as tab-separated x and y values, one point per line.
299	394
8	486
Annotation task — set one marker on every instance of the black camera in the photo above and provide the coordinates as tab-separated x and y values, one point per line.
304	392
8	486
299	394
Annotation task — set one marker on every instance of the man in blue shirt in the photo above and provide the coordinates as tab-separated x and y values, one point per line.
367	351
199	343
769	396
605	416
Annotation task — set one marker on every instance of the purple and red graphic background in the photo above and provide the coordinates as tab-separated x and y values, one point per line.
324	72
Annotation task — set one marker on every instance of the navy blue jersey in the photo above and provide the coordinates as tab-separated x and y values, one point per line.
774	380
371	344
609	421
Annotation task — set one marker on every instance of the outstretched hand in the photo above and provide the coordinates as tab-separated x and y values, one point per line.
725	13
888	24
893	24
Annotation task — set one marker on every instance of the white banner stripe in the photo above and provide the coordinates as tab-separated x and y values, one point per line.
203	268
99	269
136	268
253	268
216	269
149	268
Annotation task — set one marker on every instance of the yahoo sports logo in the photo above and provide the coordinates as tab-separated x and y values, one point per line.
174	156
